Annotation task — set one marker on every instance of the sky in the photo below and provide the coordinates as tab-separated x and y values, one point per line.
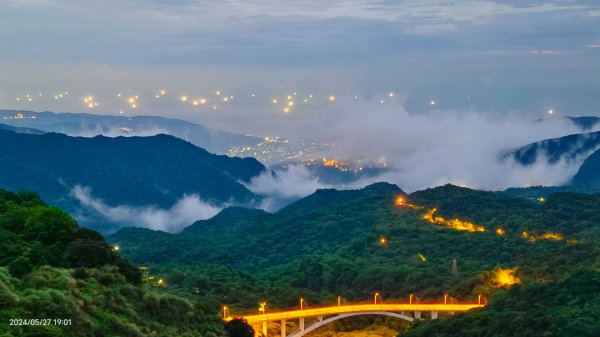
493	57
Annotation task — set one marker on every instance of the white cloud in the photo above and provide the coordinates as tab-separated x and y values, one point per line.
279	188
427	150
186	211
283	186
439	147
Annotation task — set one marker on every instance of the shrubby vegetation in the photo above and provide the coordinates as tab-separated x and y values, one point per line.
52	269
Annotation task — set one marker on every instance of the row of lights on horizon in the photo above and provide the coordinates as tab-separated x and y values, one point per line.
286	104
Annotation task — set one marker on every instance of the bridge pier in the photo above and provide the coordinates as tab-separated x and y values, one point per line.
283	332
264	328
301	323
434	315
417	314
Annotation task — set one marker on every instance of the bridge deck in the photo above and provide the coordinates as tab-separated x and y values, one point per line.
333	310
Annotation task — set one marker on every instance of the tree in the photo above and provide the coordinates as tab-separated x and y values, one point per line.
20	266
238	327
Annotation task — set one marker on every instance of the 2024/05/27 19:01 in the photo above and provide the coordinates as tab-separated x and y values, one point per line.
40	321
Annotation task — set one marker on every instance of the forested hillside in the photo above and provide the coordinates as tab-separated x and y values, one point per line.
60	280
354	243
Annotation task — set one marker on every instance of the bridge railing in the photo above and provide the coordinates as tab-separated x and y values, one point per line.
331	310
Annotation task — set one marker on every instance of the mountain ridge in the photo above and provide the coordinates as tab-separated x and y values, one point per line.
87	124
134	171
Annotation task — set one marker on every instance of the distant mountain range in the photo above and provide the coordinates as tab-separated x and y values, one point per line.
570	148
132	171
21	129
87	125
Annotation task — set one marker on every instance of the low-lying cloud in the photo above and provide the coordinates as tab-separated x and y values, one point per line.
460	147
186	211
281	187
427	150
92	130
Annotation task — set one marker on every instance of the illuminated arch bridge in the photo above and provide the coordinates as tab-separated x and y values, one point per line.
325	315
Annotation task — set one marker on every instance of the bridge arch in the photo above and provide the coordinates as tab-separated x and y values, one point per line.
319	324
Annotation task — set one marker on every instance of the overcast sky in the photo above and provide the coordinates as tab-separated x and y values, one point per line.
493	57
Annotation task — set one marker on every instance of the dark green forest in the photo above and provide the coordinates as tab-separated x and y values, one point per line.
329	244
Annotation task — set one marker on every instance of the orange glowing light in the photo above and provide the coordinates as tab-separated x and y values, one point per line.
454	223
506	277
400	201
544	236
383	240
500	231
329	163
551	236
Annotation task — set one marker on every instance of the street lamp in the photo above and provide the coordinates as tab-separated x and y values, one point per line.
377	295
225	312
263	307
445	298
339	300
410	299
301	304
